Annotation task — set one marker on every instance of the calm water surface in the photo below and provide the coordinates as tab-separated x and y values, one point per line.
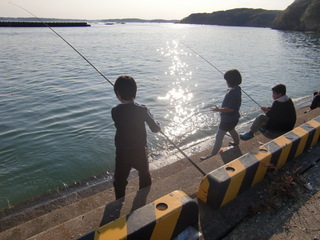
56	128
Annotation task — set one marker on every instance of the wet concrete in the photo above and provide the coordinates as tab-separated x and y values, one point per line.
76	211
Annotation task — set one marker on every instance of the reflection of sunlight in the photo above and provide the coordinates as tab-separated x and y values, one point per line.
188	120
180	94
177	95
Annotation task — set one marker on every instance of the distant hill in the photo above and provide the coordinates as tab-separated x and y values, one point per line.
301	15
235	17
136	20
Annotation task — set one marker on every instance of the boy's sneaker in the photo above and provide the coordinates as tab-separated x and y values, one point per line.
262	129
246	136
233	144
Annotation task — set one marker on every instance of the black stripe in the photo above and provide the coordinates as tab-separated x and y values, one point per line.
188	216
295	139
251	163
318	120
275	150
141	222
311	130
89	236
219	181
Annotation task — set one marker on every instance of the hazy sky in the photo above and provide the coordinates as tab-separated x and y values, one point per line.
145	9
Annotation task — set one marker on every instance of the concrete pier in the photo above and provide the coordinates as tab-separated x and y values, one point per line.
72	213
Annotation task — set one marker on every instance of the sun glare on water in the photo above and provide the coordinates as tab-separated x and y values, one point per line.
180	93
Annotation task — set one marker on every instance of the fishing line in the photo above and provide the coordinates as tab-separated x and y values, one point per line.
202	57
105	79
65	42
217	70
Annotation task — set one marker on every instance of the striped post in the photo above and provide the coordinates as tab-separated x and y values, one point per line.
165	218
227	182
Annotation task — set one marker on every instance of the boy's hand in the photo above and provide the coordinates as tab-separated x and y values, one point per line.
265	109
215	108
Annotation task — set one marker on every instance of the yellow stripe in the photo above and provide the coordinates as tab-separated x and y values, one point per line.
286	145
203	189
236	180
264	157
164	229
112	231
303	134
316	125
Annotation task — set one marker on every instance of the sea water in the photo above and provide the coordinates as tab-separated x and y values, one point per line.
56	127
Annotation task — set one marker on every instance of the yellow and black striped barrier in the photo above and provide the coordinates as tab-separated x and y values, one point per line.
165	218
227	182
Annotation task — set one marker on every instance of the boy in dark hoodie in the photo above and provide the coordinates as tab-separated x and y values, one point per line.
281	116
131	137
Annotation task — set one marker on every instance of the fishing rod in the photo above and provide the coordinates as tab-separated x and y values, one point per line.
190	160
217	70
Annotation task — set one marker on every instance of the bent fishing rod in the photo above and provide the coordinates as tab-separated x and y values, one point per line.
217	70
192	162
188	158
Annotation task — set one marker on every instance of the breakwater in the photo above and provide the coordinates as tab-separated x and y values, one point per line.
44	24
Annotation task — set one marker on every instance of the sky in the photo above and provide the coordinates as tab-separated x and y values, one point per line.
143	9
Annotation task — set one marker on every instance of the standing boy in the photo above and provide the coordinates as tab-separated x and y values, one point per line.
280	117
131	137
229	112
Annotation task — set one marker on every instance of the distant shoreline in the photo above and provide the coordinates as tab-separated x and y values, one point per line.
116	20
44	24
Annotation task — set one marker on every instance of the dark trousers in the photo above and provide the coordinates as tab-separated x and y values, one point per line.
125	160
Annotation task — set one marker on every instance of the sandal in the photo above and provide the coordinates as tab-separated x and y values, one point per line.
204	158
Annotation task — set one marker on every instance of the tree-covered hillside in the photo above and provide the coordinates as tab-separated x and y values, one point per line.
301	15
235	17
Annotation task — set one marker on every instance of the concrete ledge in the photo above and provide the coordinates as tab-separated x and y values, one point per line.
227	182
70	216
164	219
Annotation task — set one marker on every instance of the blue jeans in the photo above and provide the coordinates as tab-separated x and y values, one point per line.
261	120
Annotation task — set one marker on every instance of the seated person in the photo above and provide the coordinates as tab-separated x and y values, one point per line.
316	100
280	117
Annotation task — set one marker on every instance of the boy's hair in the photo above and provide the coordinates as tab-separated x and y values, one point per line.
280	88
126	87
233	77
